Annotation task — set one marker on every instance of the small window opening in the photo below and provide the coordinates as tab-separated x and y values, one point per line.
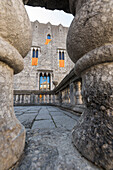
61	59
49	36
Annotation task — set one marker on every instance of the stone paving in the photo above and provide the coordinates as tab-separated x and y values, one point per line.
48	142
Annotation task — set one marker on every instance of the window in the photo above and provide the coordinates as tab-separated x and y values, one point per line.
34	57
61	59
49	36
37	53
60	55
44	82
63	55
48	39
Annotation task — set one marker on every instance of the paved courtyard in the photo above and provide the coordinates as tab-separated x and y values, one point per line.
48	143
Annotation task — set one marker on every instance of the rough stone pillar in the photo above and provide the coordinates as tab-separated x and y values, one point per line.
90	46
66	96
14	41
60	97
37	81
49	98
72	91
78	93
51	81
53	98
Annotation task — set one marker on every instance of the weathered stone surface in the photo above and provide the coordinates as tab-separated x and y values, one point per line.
27	119
89	45
91	28
17	28
52	148
11	56
93	136
94	57
43	124
12	133
15	41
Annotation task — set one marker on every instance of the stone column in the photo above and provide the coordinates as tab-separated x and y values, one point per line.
72	91
78	93
49	98
60	97
37	80
51	81
14	41
90	46
66	95
53	99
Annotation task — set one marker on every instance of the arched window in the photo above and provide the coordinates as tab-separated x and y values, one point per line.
48	39
60	55
61	59
63	55
44	81
33	54
34	57
49	36
37	53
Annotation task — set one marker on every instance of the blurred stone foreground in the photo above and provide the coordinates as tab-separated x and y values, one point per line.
90	47
48	141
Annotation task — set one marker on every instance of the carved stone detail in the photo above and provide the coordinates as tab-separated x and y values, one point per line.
89	45
15	41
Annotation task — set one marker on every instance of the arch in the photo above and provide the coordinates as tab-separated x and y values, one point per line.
63	55
33	53
61	59
44	82
60	55
49	37
37	53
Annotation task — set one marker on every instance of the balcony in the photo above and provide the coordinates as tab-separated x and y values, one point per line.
67	95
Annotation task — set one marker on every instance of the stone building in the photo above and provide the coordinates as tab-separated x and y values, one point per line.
90	46
51	61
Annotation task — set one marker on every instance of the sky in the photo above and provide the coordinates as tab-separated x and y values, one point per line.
44	16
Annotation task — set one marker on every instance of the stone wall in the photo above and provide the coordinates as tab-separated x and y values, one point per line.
48	60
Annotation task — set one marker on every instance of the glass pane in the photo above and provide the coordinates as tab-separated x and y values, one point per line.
48	37
62	55
36	53
33	55
59	55
44	83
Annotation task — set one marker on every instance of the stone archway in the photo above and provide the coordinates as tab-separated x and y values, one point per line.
90	46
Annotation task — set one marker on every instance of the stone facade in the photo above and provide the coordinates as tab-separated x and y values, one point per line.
91	33
48	57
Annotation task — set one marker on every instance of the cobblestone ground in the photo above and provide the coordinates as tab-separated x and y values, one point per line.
48	142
